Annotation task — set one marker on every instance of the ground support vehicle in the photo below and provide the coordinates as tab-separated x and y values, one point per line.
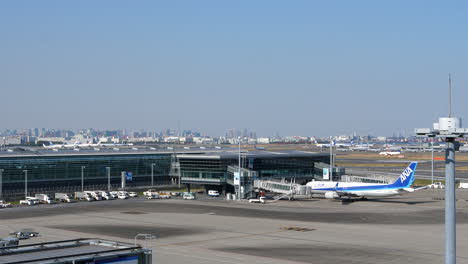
96	196
63	197
3	204
213	193
122	195
150	191
436	185
257	200
24	234
83	196
44	198
463	185
164	195
153	195
105	195
188	196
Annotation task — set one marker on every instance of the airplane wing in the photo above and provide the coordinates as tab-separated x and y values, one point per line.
421	188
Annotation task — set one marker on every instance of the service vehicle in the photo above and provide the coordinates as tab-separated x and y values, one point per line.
150	191
436	185
213	193
105	195
96	196
3	204
84	196
152	195
188	196
122	195
63	197
30	201
164	195
44	198
24	234
463	185
261	199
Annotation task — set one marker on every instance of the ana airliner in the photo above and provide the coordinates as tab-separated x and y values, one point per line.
335	190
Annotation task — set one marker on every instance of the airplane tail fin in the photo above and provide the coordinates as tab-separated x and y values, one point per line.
406	178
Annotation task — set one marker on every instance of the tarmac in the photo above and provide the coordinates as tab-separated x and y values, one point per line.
406	229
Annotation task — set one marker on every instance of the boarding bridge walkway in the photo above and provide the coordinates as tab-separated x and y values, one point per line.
282	188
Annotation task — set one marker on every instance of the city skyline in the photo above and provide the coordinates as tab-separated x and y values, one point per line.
302	68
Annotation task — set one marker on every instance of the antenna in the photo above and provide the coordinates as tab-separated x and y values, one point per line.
450	95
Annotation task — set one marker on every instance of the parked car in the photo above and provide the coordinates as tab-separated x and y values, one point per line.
153	195
30	201
150	191
105	195
122	195
213	193
4	204
133	194
188	196
114	194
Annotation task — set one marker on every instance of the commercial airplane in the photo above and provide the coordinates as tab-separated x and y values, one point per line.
334	144
335	190
390	153
52	146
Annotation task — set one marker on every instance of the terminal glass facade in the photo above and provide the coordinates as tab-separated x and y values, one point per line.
214	169
67	168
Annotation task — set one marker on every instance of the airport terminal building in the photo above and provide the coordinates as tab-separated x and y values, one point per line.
47	169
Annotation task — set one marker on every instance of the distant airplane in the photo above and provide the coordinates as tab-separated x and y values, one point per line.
336	190
390	153
335	144
259	148
52	146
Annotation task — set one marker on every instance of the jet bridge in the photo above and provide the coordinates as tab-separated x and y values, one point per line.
283	189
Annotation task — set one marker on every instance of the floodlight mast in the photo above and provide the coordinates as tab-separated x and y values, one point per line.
449	129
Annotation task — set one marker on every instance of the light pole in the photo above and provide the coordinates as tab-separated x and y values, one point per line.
330	173
152	174
1	183
25	183
448	128
108	179
432	162
82	178
239	186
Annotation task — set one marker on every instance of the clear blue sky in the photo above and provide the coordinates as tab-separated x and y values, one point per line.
293	67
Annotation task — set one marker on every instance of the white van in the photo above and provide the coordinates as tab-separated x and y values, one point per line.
213	193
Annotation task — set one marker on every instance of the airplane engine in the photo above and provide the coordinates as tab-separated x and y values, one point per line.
331	195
